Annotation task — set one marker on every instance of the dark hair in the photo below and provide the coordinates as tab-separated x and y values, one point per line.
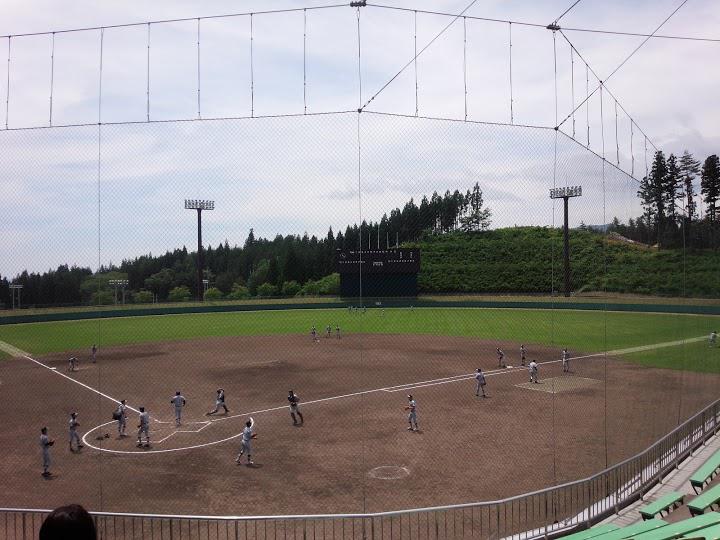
71	521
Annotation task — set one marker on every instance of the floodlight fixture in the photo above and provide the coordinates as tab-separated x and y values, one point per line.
15	289
565	193
199	205
119	283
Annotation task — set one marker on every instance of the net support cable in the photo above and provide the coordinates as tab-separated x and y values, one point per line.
199	115
512	119
304	61
402	69
252	72
52	78
147	78
415	54
465	93
7	88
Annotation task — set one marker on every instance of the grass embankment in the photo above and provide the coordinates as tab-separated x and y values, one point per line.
529	260
587	331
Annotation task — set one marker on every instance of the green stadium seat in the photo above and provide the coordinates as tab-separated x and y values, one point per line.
704	501
710	533
706	472
681	528
662	504
592	532
633	530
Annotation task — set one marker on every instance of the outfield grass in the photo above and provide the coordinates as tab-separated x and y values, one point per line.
587	331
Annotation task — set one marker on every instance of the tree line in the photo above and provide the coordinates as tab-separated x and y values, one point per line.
671	216
285	265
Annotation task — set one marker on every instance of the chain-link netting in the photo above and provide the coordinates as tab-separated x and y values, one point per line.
492	371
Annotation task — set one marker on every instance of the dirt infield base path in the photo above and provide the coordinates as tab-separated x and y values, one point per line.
353	452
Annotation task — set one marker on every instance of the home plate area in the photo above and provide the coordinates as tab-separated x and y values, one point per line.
555	385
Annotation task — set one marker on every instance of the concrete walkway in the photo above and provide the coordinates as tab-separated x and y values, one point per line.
677	480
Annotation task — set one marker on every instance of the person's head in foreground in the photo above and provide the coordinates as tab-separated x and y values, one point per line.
66	522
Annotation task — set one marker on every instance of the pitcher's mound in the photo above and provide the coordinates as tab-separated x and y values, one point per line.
555	385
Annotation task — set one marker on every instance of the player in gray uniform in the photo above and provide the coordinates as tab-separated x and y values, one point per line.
523	355
566	361
121	417
412	415
295	407
144	428
45	443
500	357
93	353
219	402
313	333
337	331
246	447
479	383
73	363
713	338
533	369
328	331
73	425
179	402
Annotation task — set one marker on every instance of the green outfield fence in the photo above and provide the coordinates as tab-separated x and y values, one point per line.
547	513
103	313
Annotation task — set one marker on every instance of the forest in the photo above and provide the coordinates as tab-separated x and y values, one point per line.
461	252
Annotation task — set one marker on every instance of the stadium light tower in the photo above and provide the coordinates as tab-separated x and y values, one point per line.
565	193
199	205
15	287
119	283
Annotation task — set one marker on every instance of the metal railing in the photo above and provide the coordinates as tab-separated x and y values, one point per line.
545	513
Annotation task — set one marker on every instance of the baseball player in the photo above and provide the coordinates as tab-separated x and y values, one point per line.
412	415
533	369
566	360
247	436
294	407
500	357
121	418
479	383
179	402
45	443
337	331
219	402
144	428
522	355
328	331
313	333
73	424
713	338
93	353
73	363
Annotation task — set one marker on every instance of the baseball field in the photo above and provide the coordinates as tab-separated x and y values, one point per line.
632	378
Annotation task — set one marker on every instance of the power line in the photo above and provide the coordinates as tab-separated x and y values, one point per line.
637	34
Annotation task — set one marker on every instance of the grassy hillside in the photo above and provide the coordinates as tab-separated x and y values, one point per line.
529	260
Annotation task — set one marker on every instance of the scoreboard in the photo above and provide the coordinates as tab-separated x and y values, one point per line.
385	261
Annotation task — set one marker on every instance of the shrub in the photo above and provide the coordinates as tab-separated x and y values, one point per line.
267	289
213	293
179	294
290	288
239	292
143	297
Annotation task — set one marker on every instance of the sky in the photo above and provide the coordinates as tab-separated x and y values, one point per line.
82	195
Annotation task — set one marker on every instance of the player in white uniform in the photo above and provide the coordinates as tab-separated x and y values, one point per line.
713	338
328	331
533	369
179	402
479	383
93	353
73	425
219	402
337	331
412	415
73	363
500	357
121	417
144	428
246	447
294	400
45	443
313	333
523	355
566	361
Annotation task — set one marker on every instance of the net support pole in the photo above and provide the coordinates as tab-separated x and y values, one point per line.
566	249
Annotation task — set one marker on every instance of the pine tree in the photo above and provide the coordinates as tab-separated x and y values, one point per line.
689	171
710	187
673	187
477	217
653	195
